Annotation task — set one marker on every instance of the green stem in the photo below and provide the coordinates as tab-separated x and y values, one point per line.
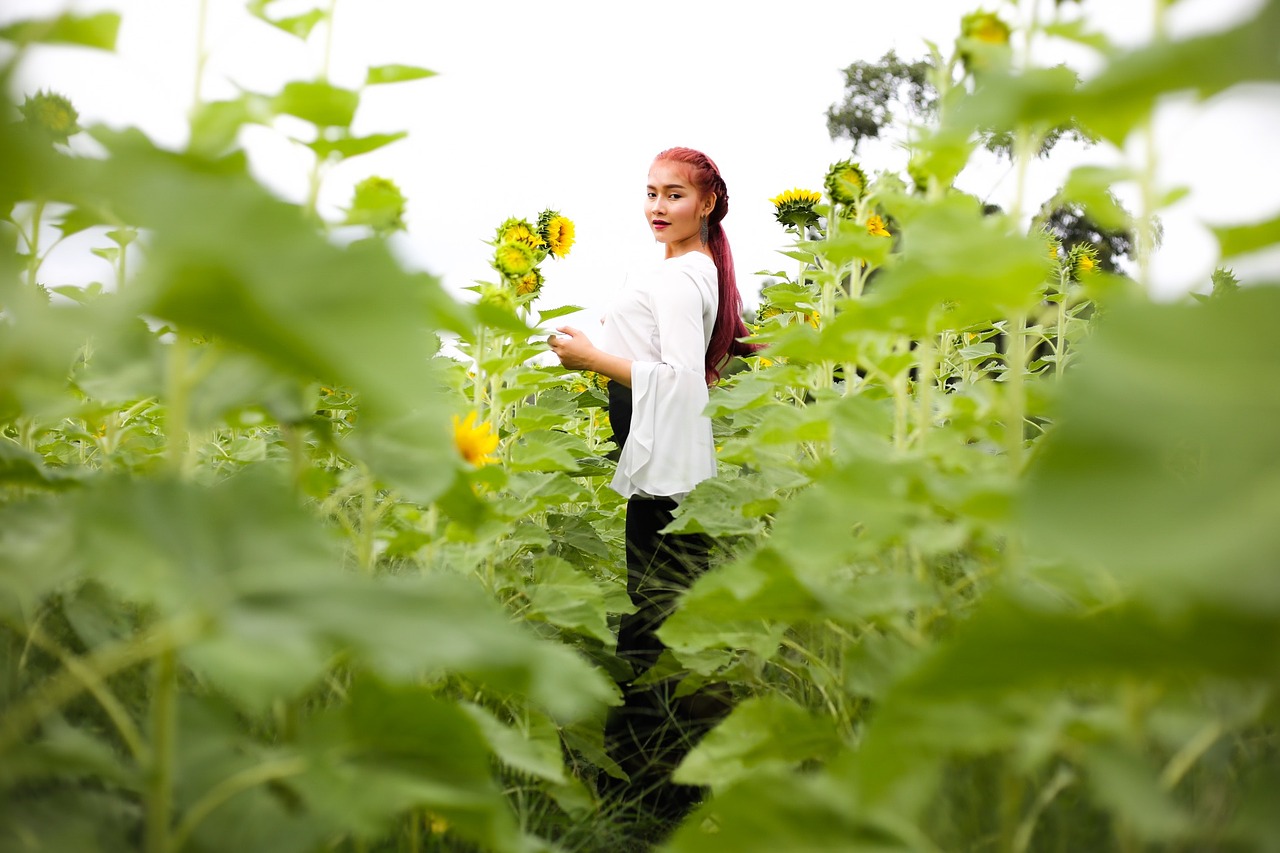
33	243
1015	389
928	367
328	40
164	720
178	391
368	523
248	778
202	56
1060	347
97	687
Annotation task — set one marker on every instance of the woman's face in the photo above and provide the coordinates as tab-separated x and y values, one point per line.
674	209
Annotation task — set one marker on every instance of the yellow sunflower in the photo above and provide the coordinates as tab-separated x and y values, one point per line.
1082	260
556	232
519	231
529	283
475	443
795	207
875	226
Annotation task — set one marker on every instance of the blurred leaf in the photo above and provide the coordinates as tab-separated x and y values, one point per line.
547	450
353	146
21	467
413	453
59	819
1242	239
1165	466
379	74
1125	782
568	598
343	315
768	812
79	219
96	31
957	268
392	748
535	750
761	734
318	102
215	125
1090	186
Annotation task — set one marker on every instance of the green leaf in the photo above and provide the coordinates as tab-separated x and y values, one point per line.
552	313
299	25
533	749
791	811
379	74
342	315
318	102
412	453
568	598
216	124
22	467
762	734
1090	186
957	268
547	450
79	219
353	146
1163	467
392	748
96	31
1242	239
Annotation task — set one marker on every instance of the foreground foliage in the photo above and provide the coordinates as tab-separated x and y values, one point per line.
997	565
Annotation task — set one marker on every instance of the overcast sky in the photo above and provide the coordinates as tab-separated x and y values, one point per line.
564	105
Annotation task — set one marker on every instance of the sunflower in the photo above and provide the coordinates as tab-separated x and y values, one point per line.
475	443
1083	260
985	27
529	283
845	182
52	114
983	42
795	207
767	311
875	226
497	296
378	203
556	232
519	231
514	258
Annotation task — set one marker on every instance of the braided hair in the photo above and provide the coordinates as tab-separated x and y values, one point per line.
729	329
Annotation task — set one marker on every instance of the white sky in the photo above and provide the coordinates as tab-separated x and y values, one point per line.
564	105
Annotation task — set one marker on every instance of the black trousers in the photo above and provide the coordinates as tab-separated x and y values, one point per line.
653	730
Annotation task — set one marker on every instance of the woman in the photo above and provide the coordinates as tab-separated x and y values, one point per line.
667	337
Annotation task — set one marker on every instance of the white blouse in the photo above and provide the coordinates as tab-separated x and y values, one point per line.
662	321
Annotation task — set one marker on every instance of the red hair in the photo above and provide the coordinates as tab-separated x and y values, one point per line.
729	329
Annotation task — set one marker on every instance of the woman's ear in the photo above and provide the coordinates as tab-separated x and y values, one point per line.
708	204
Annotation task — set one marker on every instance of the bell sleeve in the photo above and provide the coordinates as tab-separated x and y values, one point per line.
670	448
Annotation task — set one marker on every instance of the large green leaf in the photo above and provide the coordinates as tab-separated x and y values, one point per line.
957	267
761	734
1165	465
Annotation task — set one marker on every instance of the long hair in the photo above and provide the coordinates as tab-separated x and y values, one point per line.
729	329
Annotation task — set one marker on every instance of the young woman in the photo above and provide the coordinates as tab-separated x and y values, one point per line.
671	331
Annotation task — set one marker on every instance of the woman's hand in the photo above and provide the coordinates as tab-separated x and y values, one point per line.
573	348
576	352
